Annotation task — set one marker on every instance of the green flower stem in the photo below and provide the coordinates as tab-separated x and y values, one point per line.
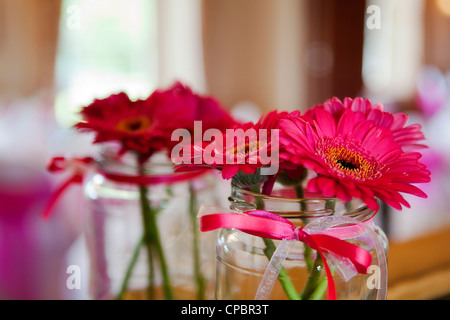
147	237
307	255
315	285
199	279
130	267
313	279
320	289
307	249
299	191
283	276
153	243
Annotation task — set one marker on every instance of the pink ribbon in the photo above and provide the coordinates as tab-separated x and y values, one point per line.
58	164
269	225
80	166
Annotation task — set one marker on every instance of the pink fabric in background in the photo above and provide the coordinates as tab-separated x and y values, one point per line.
32	251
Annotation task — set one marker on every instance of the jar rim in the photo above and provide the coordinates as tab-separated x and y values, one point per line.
234	185
290	206
110	160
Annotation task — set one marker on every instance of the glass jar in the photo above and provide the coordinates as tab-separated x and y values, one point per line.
125	262
241	258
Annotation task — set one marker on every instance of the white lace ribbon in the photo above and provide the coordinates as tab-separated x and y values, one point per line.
342	265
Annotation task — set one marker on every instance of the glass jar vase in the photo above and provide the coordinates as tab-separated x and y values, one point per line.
242	259
142	233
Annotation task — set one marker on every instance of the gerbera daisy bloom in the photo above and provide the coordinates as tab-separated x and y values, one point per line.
353	157
146	126
244	148
179	107
143	126
407	136
248	156
213	115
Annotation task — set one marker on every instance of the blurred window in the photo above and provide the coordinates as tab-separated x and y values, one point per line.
105	46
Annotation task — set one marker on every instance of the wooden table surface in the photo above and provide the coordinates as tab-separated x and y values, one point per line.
419	269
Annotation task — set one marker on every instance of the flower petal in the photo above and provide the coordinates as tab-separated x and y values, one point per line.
326	123
228	171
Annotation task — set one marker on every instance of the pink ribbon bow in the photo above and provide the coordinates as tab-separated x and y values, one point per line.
269	225
58	164
80	166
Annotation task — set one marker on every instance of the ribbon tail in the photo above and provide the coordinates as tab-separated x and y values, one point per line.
359	258
76	178
273	269
155	179
331	287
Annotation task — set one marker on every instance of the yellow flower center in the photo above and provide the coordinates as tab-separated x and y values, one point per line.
244	149
346	159
133	125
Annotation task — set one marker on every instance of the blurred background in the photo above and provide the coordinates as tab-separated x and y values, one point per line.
254	56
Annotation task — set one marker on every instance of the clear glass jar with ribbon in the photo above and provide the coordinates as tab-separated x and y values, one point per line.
142	231
282	247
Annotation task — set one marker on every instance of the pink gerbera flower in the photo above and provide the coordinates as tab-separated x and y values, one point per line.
143	126
146	126
240	149
353	157
407	136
